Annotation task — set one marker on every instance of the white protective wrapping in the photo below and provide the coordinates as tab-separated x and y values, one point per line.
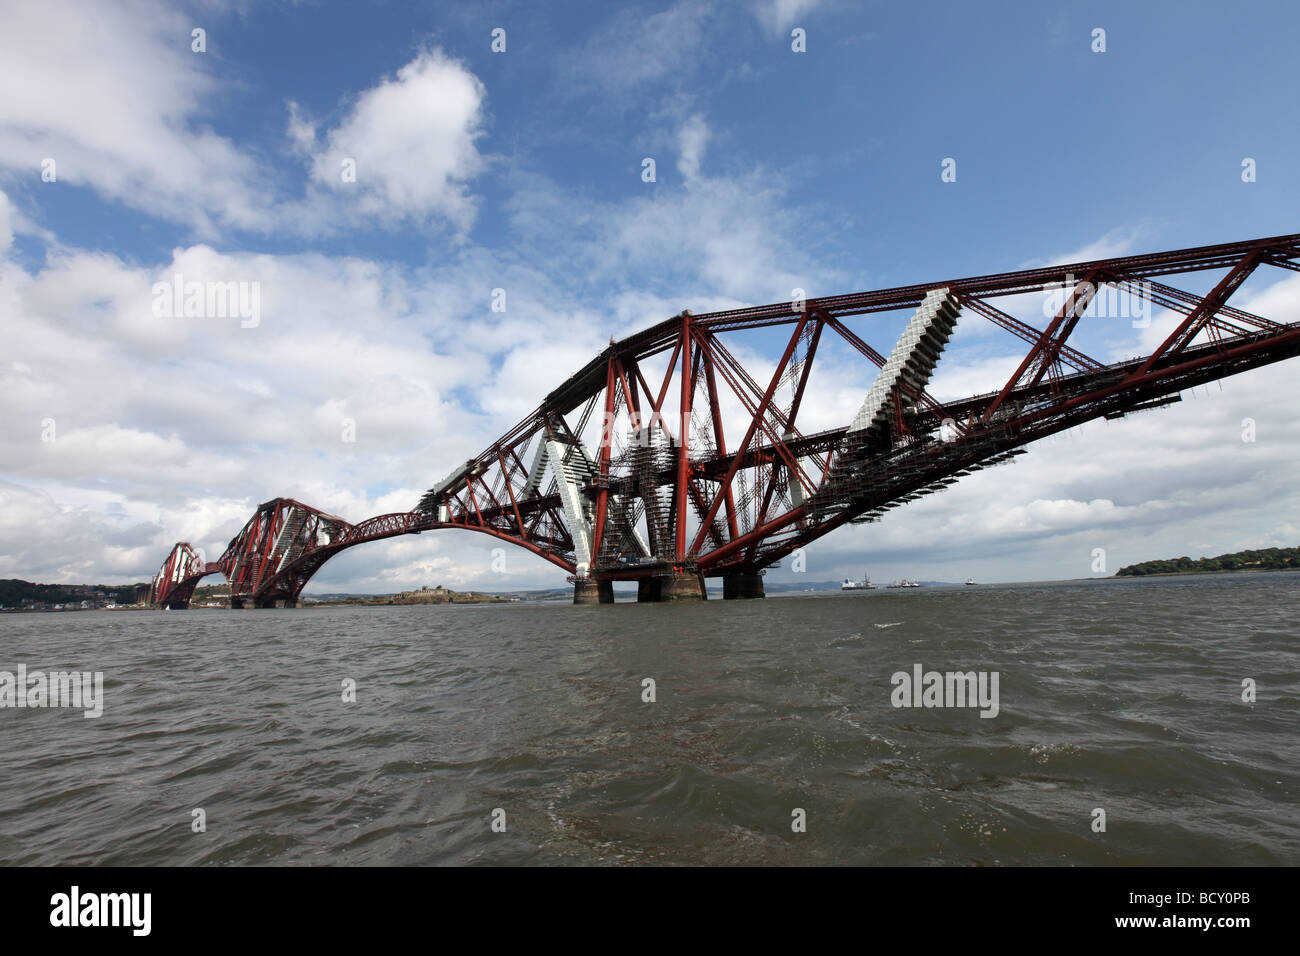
913	358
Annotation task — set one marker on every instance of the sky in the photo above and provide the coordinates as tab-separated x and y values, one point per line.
371	363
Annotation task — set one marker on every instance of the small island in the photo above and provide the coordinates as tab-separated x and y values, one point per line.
1267	559
426	595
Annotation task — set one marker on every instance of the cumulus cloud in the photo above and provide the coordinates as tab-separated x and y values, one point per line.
114	96
411	143
183	417
362	384
115	99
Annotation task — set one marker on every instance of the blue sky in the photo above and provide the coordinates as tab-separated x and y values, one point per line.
522	170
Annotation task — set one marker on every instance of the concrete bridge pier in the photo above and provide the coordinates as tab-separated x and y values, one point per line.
593	591
741	585
684	586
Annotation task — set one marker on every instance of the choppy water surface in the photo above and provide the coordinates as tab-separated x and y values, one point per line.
1124	695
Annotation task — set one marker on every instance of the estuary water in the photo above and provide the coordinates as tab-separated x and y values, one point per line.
772	736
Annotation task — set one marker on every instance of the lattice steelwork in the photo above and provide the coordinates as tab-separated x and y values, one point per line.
668	454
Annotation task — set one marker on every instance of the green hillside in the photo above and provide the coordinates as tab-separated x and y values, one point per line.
1268	559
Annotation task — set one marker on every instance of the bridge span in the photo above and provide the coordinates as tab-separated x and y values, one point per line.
668	459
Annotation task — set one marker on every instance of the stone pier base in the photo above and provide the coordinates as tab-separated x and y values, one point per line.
592	591
682	587
742	584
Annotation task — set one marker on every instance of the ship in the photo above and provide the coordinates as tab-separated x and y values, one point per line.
970	581
863	585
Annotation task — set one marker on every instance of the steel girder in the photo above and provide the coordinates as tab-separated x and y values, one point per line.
281	547
669	483
658	502
173	586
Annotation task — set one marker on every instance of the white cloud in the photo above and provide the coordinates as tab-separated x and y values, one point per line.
738	256
778	16
301	131
1117	242
412	139
114	95
6	223
692	138
188	423
185	414
633	49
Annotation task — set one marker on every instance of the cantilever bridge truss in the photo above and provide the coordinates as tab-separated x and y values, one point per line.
676	454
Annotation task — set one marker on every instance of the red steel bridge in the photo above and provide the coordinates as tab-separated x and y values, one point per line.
669	458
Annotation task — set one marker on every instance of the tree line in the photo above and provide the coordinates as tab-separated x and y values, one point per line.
1267	559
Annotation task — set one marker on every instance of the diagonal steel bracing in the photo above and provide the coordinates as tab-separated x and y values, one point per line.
675	450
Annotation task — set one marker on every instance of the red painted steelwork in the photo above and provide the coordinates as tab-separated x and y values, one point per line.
688	502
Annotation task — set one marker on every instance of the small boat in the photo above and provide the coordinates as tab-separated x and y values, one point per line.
970	581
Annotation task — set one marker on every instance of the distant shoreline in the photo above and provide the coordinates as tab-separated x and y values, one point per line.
554	596
1249	559
1192	572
